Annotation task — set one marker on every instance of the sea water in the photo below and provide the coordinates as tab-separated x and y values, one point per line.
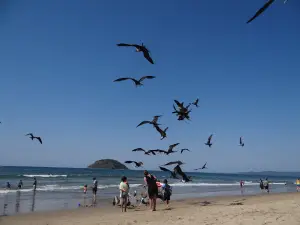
61	188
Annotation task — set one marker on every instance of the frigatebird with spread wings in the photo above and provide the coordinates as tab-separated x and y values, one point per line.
139	48
137	82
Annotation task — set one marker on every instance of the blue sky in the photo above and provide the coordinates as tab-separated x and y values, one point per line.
58	60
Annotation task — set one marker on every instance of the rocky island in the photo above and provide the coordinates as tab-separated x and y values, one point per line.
108	164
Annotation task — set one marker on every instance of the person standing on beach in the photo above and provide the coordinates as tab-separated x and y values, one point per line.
20	184
266	184
298	184
124	192
8	186
34	183
95	188
167	192
150	181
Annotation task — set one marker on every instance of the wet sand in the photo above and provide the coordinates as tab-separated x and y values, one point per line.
241	210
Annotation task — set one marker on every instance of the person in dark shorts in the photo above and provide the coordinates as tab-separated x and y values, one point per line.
150	181
20	184
167	192
95	188
34	183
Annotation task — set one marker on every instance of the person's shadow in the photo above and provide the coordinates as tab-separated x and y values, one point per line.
18	196
33	201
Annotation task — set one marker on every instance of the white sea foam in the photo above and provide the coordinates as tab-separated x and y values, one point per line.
246	183
44	175
56	187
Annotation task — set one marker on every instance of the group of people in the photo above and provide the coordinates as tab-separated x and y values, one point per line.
152	184
20	184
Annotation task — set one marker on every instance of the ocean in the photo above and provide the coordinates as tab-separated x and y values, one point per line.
61	188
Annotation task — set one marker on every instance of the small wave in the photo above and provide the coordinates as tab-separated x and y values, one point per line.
44	175
56	187
219	184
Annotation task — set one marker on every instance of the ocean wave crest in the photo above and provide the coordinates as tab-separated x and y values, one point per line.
44	175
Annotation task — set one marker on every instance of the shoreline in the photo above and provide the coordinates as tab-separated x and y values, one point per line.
181	210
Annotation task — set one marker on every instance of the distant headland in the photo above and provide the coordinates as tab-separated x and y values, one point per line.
108	164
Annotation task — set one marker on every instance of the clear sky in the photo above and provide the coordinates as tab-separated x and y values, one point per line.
58	60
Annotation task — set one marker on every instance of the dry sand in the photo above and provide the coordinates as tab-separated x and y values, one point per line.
240	210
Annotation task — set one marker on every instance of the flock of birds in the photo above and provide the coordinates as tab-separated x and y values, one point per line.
181	111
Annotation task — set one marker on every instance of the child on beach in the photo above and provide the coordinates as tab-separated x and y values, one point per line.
298	184
124	191
85	189
167	192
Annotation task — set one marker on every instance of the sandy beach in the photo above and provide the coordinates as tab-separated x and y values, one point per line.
255	210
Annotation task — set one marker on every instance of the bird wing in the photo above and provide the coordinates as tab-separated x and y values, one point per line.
128	45
261	10
165	169
147	55
138	164
170	163
126	78
138	150
40	139
196	102
30	134
129	162
209	138
204	165
146	77
180	105
241	140
155	119
184	149
143	122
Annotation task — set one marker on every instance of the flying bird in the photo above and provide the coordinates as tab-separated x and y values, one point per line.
153	122
195	103
209	141
143	150
137	164
139	48
184	149
174	162
171	147
178	170
203	167
173	174
163	133
261	10
158	151
137	82
183	111
34	137
242	142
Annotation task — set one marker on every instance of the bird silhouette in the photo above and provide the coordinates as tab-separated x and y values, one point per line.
183	111
178	170
209	141
195	103
143	150
162	133
261	10
153	122
173	174
158	151
203	167
137	82
139	48
184	149
171	147
34	137
137	164
242	142
173	162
